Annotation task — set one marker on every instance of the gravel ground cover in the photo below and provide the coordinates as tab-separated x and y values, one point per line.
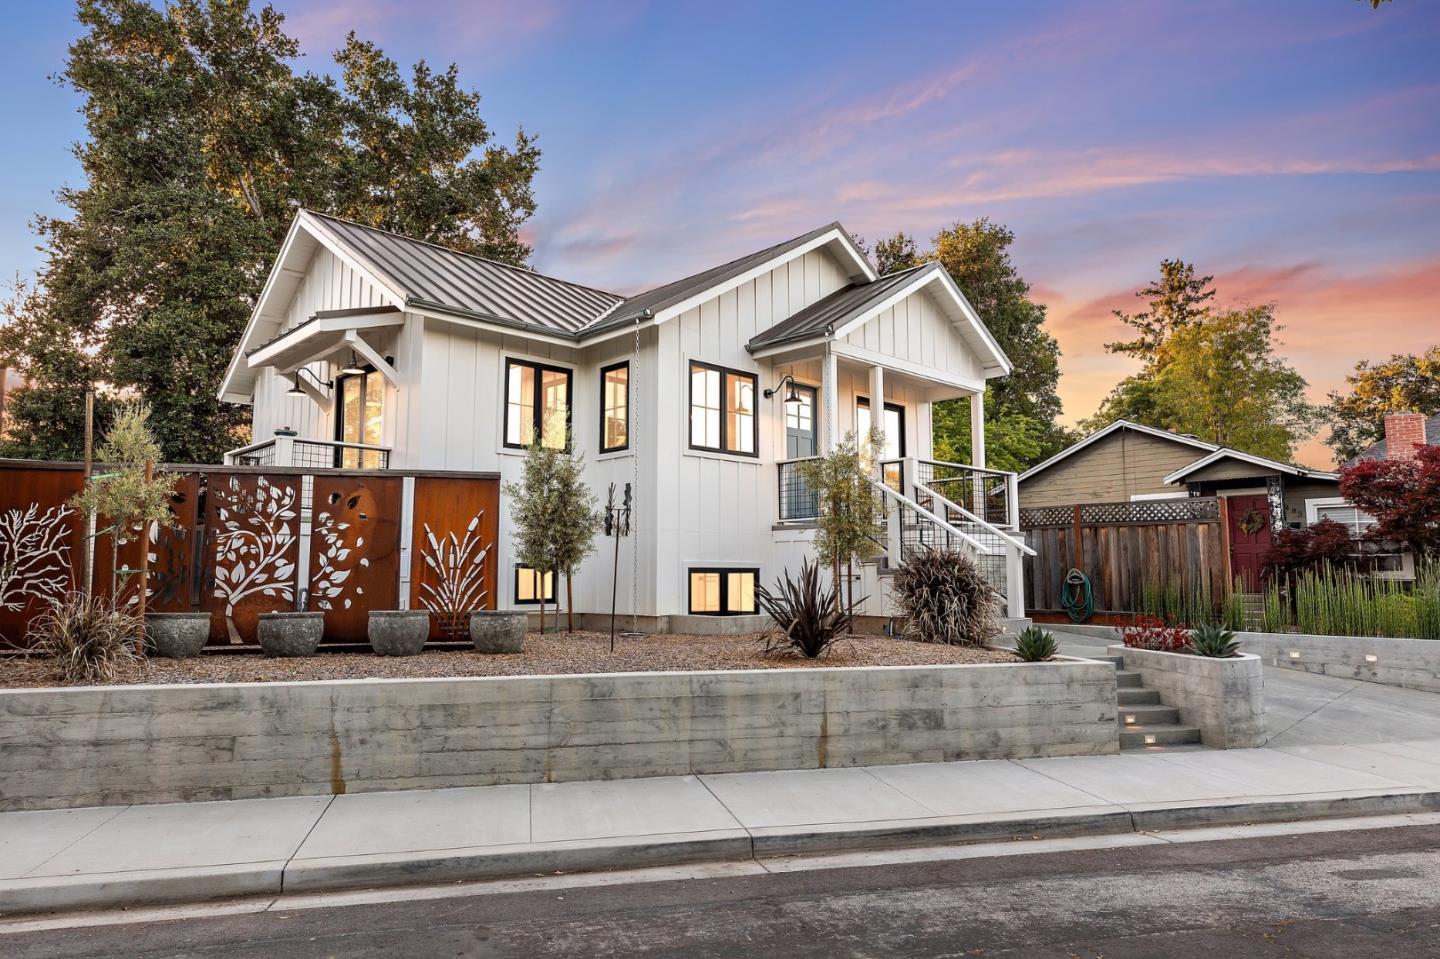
552	654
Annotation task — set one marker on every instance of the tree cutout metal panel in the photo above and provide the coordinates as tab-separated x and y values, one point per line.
453	554
252	525
41	545
354	551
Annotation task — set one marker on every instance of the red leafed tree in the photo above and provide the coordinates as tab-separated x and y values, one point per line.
1403	496
1325	542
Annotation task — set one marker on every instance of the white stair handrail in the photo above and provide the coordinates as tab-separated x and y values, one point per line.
988	527
974	543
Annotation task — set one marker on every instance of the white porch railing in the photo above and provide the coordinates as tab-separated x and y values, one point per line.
310	454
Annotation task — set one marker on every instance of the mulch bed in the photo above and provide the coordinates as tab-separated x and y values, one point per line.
552	654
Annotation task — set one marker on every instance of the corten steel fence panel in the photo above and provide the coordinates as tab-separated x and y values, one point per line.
252	550
42	545
454	555
1124	548
173	554
354	551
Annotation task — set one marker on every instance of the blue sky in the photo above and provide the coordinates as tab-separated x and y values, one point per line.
1290	148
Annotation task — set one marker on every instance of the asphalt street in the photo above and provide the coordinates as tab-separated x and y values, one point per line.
1354	894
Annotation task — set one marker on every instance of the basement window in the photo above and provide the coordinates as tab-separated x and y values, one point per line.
723	592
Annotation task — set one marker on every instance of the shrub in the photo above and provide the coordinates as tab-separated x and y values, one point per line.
1212	639
945	598
805	618
1034	645
89	637
1324	543
1151	632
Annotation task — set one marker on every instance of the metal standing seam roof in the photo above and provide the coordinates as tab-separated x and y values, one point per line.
680	290
829	312
448	279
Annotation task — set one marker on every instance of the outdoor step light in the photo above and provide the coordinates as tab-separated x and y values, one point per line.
1371	658
1129	720
1149	739
1294	654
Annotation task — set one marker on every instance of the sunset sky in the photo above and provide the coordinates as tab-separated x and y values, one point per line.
1291	149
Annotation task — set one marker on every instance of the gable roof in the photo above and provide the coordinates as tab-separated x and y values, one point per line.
1377	450
1100	434
830	312
435	276
678	291
1224	452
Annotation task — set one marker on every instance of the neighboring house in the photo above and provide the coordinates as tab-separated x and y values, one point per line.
1130	462
381	351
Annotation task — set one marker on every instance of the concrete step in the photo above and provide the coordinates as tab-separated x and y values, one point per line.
1117	661
1150	737
1125	679
1138	697
1152	715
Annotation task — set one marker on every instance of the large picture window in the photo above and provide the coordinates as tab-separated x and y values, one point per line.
722	410
723	592
615	408
359	419
537	404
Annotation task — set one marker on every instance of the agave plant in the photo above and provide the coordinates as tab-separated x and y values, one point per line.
1035	645
1214	640
805	619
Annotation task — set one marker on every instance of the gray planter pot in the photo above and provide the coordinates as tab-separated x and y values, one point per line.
498	631
177	635
399	632
291	634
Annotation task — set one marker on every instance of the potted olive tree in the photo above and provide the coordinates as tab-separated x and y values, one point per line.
133	498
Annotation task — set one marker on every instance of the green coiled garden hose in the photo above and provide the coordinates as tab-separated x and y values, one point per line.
1076	597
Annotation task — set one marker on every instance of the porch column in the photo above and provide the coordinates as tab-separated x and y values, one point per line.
877	413
829	401
977	429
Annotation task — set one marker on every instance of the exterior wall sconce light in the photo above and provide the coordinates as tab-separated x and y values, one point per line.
791	396
297	390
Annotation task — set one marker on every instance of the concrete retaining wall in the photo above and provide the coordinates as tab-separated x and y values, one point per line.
1411	663
141	744
1225	698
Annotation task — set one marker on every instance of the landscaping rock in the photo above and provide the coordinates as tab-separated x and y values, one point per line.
399	632
177	635
498	631
291	634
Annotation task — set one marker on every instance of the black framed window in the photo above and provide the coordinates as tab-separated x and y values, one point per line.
723	592
722	410
530	586
537	404
359	418
615	408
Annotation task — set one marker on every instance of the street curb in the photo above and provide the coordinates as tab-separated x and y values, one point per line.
109	890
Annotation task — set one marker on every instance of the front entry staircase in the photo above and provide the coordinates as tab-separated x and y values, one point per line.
1146	722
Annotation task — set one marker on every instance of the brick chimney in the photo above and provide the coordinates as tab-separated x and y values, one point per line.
1403	433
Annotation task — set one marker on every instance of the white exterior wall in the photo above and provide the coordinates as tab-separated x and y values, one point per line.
916	330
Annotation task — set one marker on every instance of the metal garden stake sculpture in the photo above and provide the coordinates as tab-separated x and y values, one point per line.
617	524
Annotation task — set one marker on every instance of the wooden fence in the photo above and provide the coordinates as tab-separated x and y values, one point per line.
1124	548
247	540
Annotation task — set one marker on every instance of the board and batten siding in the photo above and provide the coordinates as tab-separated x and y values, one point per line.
718	509
329	284
916	329
1110	470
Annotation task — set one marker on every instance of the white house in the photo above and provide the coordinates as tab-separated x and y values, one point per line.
385	352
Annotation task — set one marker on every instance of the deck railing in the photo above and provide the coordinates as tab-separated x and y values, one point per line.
311	454
797	500
989	494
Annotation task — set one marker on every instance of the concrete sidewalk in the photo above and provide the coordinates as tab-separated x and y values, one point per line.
108	856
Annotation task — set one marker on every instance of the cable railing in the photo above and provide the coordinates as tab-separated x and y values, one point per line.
988	494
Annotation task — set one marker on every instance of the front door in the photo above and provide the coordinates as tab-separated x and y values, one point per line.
1250	537
800	425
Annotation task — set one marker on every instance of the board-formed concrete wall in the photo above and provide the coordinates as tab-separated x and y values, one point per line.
1225	698
1411	663
140	744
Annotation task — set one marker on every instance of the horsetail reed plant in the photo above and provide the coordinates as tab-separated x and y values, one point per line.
1338	602
1181	599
